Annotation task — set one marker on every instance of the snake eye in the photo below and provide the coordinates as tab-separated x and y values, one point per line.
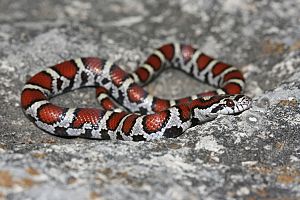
229	103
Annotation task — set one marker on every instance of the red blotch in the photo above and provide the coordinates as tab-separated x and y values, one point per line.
86	115
154	61
232	88
93	64
67	69
114	120
50	113
117	75
135	93
205	102
207	94
128	123
168	51
203	61
155	122
142	73
233	75
184	112
29	96
108	104
101	90
187	52
160	105
183	100
42	79
219	68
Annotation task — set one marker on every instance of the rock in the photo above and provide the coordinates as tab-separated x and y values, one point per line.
254	155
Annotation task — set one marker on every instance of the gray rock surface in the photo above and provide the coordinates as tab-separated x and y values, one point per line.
255	155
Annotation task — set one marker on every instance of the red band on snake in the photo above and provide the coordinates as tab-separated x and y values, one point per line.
142	116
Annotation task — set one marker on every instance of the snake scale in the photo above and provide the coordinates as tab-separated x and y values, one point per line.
142	116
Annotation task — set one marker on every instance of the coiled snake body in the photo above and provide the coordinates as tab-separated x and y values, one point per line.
147	117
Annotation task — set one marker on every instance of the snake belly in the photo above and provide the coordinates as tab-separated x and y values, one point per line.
144	117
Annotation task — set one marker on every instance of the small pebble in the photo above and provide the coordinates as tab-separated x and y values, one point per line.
252	119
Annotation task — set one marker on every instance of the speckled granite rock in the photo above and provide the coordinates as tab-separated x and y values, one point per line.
255	155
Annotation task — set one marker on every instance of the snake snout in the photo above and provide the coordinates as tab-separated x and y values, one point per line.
245	101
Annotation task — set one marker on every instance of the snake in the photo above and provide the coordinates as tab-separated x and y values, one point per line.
128	111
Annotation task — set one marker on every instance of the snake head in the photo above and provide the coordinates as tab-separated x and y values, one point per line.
208	108
232	104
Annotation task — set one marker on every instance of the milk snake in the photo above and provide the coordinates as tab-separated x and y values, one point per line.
143	117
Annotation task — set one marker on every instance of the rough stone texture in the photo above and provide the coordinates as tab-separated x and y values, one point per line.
255	155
